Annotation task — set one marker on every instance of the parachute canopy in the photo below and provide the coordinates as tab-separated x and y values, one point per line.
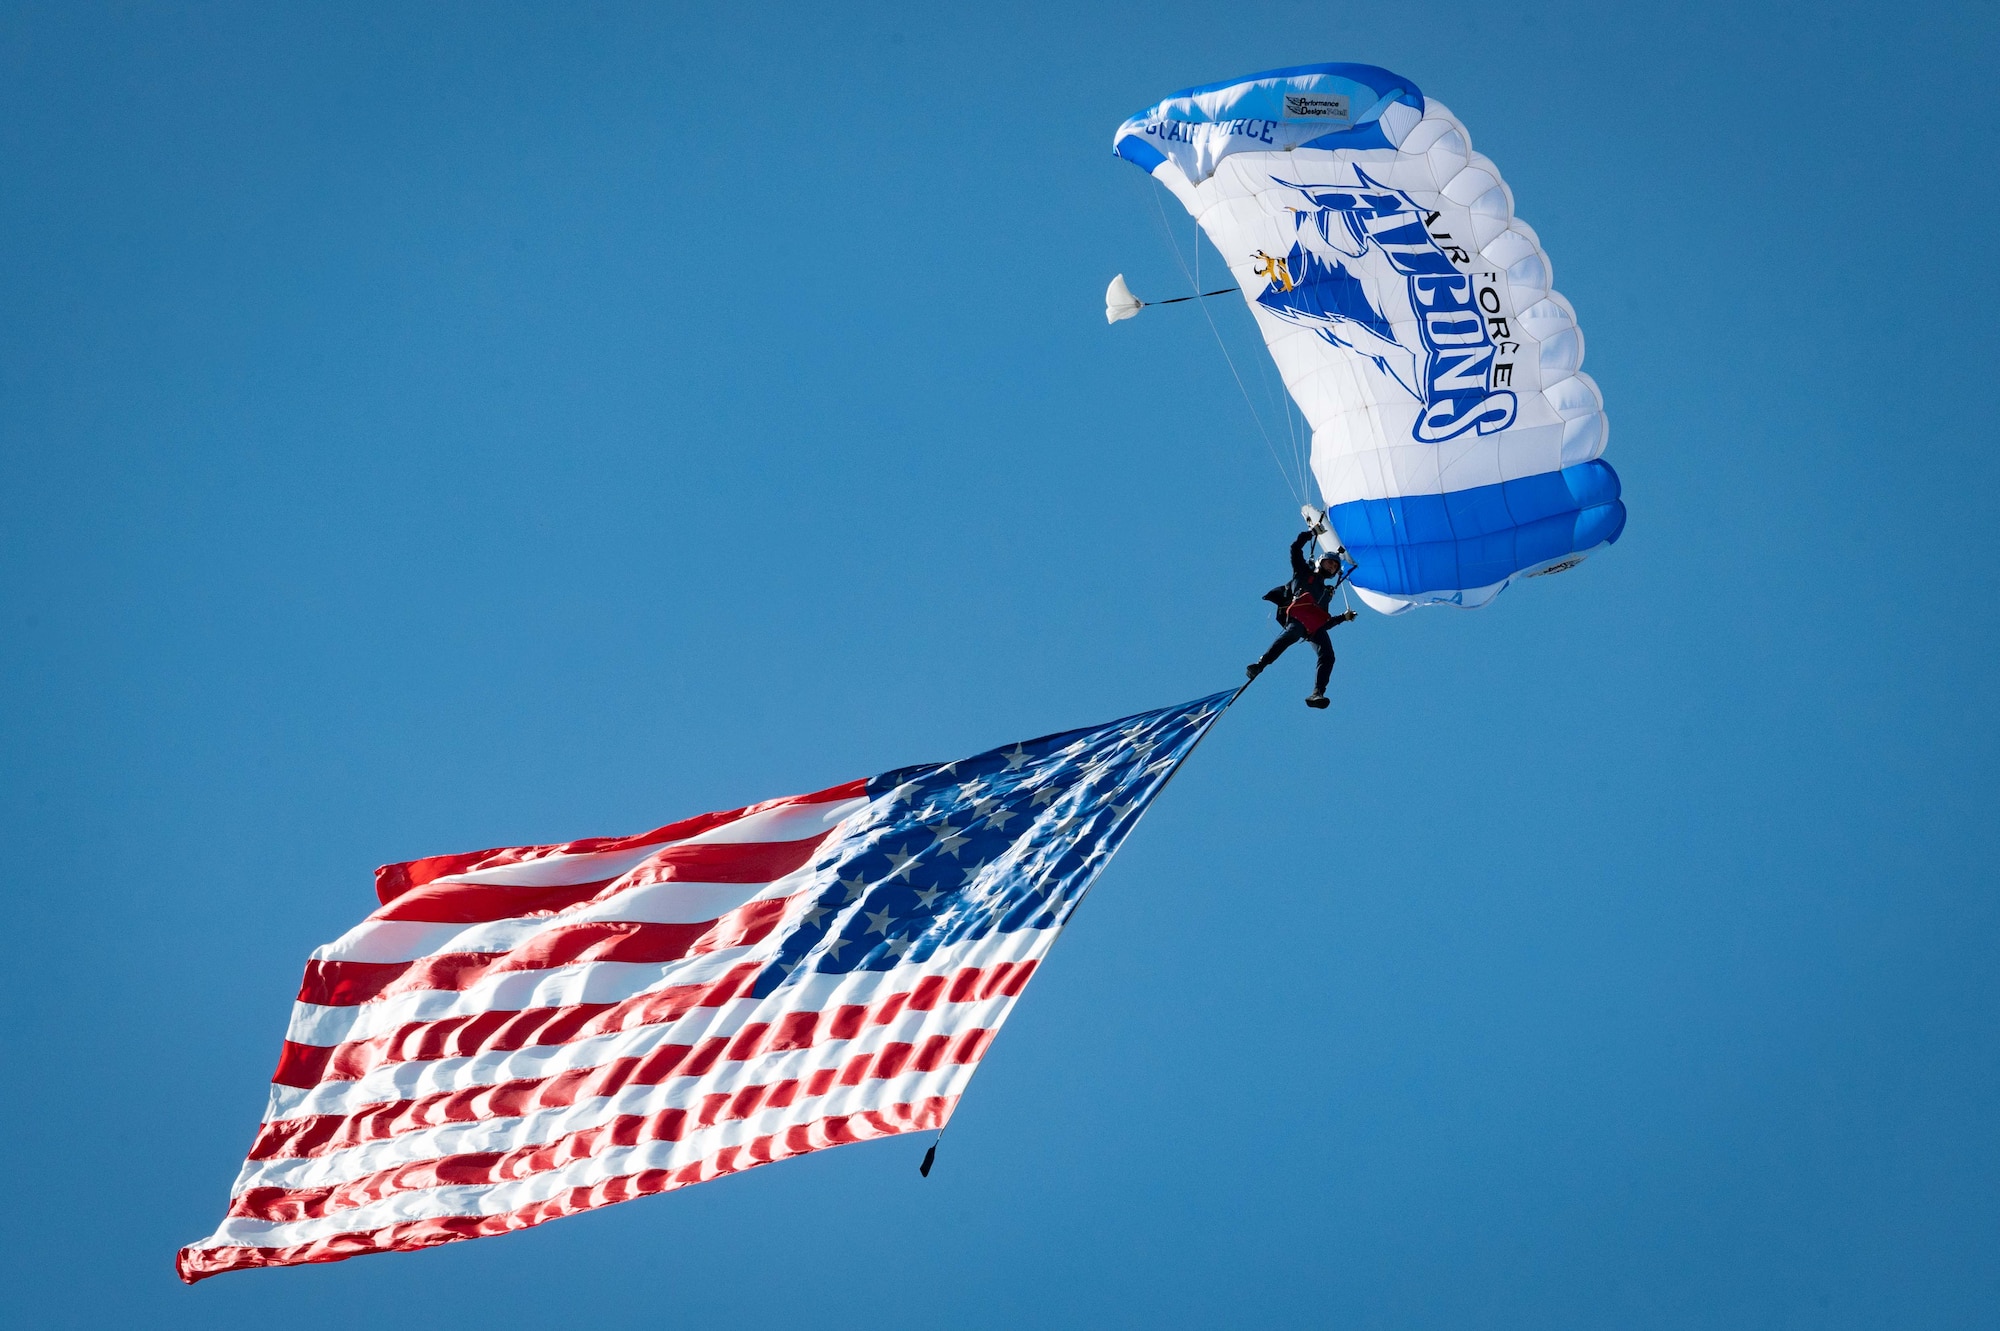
1455	438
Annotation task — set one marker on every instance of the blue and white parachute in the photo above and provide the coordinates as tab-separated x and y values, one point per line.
1455	437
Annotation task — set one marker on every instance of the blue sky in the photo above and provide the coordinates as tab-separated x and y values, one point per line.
432	427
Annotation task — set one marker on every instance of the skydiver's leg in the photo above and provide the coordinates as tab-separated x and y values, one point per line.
1324	647
1291	635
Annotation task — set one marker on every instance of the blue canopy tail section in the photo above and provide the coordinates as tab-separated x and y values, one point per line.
1465	539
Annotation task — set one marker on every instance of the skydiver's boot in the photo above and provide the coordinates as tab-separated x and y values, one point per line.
1316	699
1254	669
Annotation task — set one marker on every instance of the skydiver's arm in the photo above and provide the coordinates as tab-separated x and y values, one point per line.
1299	569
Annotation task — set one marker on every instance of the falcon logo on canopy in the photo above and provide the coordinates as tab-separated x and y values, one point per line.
1451	367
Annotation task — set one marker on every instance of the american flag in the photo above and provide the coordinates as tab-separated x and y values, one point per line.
521	1034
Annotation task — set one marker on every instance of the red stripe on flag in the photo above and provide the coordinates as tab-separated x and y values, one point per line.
313	1134
971	1046
393	880
502	1031
195	1264
352	983
932	1054
731	862
482	903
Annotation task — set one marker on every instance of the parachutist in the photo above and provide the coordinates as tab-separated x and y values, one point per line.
1302	612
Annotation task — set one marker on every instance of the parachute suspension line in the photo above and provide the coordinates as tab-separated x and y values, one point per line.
1194	284
1280	398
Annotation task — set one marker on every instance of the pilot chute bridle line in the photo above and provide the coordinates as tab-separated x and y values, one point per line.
1121	303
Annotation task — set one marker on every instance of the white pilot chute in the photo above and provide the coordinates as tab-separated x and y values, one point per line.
1120	303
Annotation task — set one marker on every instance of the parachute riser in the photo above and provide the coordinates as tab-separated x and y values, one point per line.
1322	530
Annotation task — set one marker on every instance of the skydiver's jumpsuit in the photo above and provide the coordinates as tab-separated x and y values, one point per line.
1308	579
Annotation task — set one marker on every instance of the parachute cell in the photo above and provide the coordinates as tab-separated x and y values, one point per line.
1455	438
